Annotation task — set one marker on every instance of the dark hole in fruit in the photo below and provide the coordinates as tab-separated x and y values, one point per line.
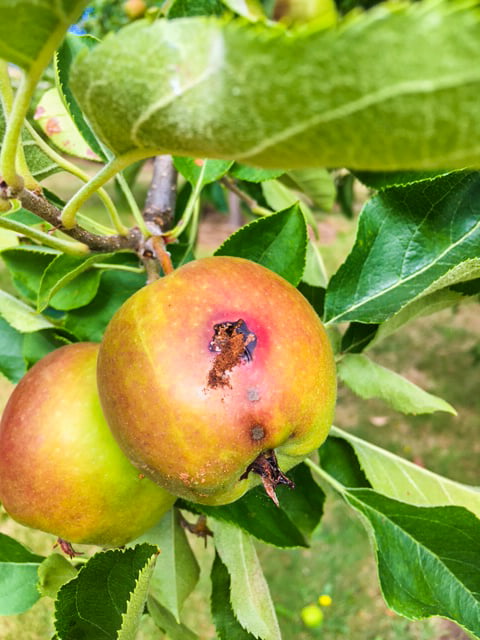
266	466
233	342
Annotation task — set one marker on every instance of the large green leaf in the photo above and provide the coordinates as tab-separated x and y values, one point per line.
226	624
29	27
53	573
59	128
370	380
428	557
316	184
39	344
249	594
70	48
26	265
106	600
187	8
411	242
401	479
12	364
289	525
167	623
177	570
384	179
423	306
266	96
278	242
18	576
89	322
68	283
40	165
20	316
191	168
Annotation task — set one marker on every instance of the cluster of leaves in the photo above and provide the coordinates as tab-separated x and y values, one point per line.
252	93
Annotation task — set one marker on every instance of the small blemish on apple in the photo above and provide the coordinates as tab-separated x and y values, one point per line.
257	432
253	394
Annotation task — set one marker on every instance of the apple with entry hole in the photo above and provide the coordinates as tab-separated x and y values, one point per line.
215	377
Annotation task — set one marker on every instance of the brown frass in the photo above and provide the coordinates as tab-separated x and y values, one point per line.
234	343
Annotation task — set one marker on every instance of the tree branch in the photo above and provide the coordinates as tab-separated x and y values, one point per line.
160	203
158	214
37	204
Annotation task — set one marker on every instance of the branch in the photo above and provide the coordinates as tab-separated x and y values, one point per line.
160	203
251	203
38	205
158	215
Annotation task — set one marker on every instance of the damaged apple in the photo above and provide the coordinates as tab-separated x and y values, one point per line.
215	377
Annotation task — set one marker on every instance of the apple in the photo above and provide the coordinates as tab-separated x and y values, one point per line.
134	8
214	375
61	470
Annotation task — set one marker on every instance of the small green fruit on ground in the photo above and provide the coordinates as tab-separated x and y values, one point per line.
209	372
312	616
61	470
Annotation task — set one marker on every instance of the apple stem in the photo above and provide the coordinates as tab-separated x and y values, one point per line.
266	466
67	548
199	528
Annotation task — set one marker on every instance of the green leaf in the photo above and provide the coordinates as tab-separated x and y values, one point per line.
277	195
190	169
197	98
250	9
428	558
278	242
187	8
18	577
177	570
26	265
70	48
20	316
89	322
315	296
289	525
181	253
315	273
53	573
54	120
167	623
252	174
226	624
403	480
39	344
107	598
338	459
30	28
358	337
40	165
26	217
316	184
67	284
384	179
411	241
12	364
423	306
370	380
249	594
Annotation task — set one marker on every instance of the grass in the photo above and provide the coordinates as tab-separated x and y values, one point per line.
439	353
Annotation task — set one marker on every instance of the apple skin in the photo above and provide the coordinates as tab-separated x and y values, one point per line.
61	470
153	375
